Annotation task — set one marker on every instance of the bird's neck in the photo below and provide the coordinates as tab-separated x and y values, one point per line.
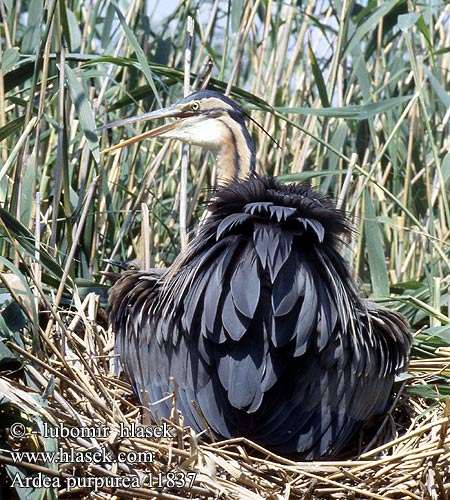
235	156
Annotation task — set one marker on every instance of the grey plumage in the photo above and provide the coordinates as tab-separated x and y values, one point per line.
259	324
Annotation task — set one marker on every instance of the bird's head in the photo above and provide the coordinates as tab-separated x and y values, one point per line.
207	119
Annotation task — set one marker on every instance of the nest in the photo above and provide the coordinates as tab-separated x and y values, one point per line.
108	448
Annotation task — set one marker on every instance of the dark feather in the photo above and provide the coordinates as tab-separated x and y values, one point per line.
260	325
245	286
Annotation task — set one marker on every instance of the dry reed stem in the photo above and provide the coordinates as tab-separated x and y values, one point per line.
409	466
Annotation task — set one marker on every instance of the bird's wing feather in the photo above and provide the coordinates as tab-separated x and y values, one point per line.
260	325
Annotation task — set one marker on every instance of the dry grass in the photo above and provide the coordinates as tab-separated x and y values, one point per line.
413	464
357	100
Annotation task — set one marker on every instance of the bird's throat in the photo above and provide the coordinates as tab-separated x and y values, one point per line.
235	156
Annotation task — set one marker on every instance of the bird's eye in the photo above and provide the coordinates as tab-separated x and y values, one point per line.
194	106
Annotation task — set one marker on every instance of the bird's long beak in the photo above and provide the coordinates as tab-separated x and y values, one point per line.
116	263
173	111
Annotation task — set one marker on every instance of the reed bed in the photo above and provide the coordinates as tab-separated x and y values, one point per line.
356	97
87	394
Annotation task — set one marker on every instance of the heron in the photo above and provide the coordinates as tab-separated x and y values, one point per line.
257	328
